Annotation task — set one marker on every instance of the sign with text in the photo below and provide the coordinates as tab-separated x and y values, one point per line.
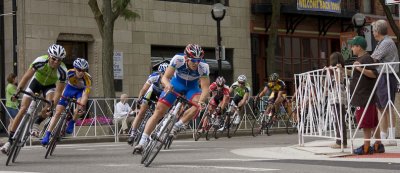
118	65
319	5
392	2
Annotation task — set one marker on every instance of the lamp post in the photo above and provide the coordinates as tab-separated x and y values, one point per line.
218	13
358	21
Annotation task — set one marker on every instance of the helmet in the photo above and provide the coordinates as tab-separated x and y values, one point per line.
220	81
273	77
81	63
162	67
242	78
57	51
194	51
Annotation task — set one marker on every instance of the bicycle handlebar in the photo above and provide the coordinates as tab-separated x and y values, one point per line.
35	96
73	100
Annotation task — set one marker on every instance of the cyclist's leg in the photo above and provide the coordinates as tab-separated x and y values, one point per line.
82	98
162	107
53	123
194	95
139	117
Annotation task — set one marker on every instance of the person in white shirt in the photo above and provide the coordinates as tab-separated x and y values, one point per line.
123	113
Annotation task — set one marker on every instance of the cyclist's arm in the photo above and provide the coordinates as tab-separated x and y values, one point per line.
244	100
59	89
204	84
224	102
145	87
84	98
27	76
262	93
167	77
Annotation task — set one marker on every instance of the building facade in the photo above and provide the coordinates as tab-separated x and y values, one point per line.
164	28
305	38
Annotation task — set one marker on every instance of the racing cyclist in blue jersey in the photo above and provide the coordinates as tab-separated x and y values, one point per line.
183	75
151	90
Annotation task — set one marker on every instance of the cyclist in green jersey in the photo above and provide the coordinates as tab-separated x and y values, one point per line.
46	75
241	90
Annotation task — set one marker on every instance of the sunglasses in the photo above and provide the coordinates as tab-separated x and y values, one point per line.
195	60
79	70
55	59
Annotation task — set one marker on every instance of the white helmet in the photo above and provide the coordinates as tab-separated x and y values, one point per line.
162	67
57	51
242	78
81	63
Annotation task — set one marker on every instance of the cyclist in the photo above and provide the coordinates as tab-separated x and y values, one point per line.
220	97
47	75
241	90
151	90
78	87
275	90
184	74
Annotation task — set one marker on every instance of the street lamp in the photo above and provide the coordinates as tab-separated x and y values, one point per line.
218	13
358	22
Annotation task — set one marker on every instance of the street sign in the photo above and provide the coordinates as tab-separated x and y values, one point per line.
392	2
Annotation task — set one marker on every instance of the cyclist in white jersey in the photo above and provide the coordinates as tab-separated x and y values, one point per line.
183	75
46	75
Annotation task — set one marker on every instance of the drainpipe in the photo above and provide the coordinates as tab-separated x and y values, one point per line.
15	58
2	59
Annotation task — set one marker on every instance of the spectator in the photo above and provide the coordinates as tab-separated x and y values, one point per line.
338	102
366	78
385	52
12	107
122	113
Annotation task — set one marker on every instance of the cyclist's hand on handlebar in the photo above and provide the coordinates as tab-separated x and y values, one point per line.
202	105
168	87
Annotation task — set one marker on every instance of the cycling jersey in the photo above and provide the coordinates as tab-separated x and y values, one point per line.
218	94
155	81
79	83
75	86
182	72
46	75
185	80
274	88
240	90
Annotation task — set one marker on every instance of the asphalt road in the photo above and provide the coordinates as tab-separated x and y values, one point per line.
185	156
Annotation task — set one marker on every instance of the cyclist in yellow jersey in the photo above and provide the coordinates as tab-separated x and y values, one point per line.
275	89
78	87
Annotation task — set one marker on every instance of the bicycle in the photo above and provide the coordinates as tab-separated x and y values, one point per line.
24	128
147	115
208	121
159	136
232	121
61	126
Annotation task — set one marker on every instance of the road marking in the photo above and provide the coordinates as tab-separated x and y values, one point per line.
243	160
220	167
117	165
172	150
83	149
16	172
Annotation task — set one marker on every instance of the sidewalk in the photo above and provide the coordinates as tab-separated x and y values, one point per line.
320	150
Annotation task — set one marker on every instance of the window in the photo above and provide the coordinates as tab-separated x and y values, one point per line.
205	2
74	50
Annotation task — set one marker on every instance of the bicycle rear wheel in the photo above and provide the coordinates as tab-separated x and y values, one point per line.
256	126
54	139
233	127
268	125
290	124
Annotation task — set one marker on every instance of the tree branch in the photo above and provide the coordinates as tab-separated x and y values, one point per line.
120	8
390	20
97	15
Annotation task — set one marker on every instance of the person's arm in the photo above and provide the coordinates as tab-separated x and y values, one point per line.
262	93
204	84
381	51
27	76
167	77
366	72
244	100
145	87
59	90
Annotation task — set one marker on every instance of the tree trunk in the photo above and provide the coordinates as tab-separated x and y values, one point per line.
108	51
391	20
273	34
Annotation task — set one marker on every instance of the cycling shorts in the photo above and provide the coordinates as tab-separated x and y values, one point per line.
237	99
187	88
70	92
35	87
216	100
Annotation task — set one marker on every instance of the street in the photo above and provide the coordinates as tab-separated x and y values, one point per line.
221	155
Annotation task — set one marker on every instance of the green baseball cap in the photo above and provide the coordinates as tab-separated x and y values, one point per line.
360	41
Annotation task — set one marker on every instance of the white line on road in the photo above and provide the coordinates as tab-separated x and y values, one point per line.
172	150
220	167
16	172
243	160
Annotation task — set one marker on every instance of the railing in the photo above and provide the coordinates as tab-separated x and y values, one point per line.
315	92
348	5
